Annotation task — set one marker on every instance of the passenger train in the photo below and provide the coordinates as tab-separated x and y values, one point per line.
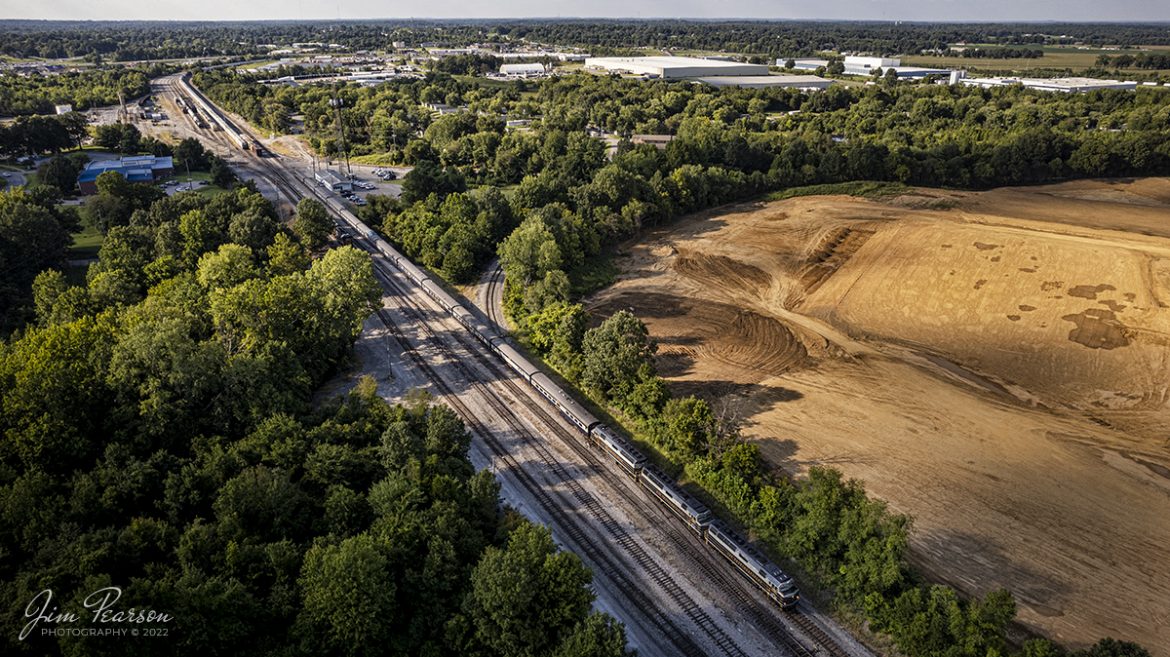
714	533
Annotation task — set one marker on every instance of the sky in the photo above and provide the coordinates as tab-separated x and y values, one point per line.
908	10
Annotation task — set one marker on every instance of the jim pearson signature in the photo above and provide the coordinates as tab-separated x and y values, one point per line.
100	606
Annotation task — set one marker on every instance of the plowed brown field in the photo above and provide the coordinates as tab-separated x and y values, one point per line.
995	364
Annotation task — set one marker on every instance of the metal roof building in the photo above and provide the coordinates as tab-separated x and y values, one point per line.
334	180
674	68
137	168
1060	85
522	70
803	64
865	65
914	72
764	81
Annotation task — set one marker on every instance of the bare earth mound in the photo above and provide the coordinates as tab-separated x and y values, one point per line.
995	364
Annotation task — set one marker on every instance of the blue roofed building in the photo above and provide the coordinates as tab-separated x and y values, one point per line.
136	168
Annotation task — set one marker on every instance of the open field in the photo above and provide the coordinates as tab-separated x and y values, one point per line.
86	243
1055	57
995	364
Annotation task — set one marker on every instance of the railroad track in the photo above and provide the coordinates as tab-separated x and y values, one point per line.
761	616
818	634
581	537
585	541
495	282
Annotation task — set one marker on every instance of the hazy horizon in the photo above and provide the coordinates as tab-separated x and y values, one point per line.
1042	11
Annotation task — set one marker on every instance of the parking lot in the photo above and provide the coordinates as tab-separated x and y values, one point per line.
367	180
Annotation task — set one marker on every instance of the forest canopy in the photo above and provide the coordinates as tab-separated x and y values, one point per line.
160	436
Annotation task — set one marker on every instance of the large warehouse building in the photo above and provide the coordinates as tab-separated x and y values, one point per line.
523	70
865	65
674	68
804	64
802	82
1060	85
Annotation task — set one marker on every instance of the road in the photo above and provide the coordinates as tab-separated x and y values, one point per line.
674	595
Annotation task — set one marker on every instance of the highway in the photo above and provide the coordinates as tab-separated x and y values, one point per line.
674	596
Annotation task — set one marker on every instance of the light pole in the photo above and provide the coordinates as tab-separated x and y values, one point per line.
337	104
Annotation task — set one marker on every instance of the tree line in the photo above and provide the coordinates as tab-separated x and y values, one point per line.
981	52
1145	60
125	41
34	135
84	89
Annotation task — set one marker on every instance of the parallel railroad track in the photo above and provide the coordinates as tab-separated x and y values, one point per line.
761	617
579	535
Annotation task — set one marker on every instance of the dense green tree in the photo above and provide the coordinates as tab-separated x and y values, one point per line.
614	356
312	223
530	253
221	174
556	332
54	395
121	137
349	593
190	154
524	598
61	172
688	428
32	238
598	636
286	256
428	178
1109	647
229	266
48	287
255	230
1041	648
103	211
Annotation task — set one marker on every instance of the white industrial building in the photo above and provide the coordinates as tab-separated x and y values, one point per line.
63	109
803	82
865	65
674	68
522	70
1060	85
803	64
917	72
